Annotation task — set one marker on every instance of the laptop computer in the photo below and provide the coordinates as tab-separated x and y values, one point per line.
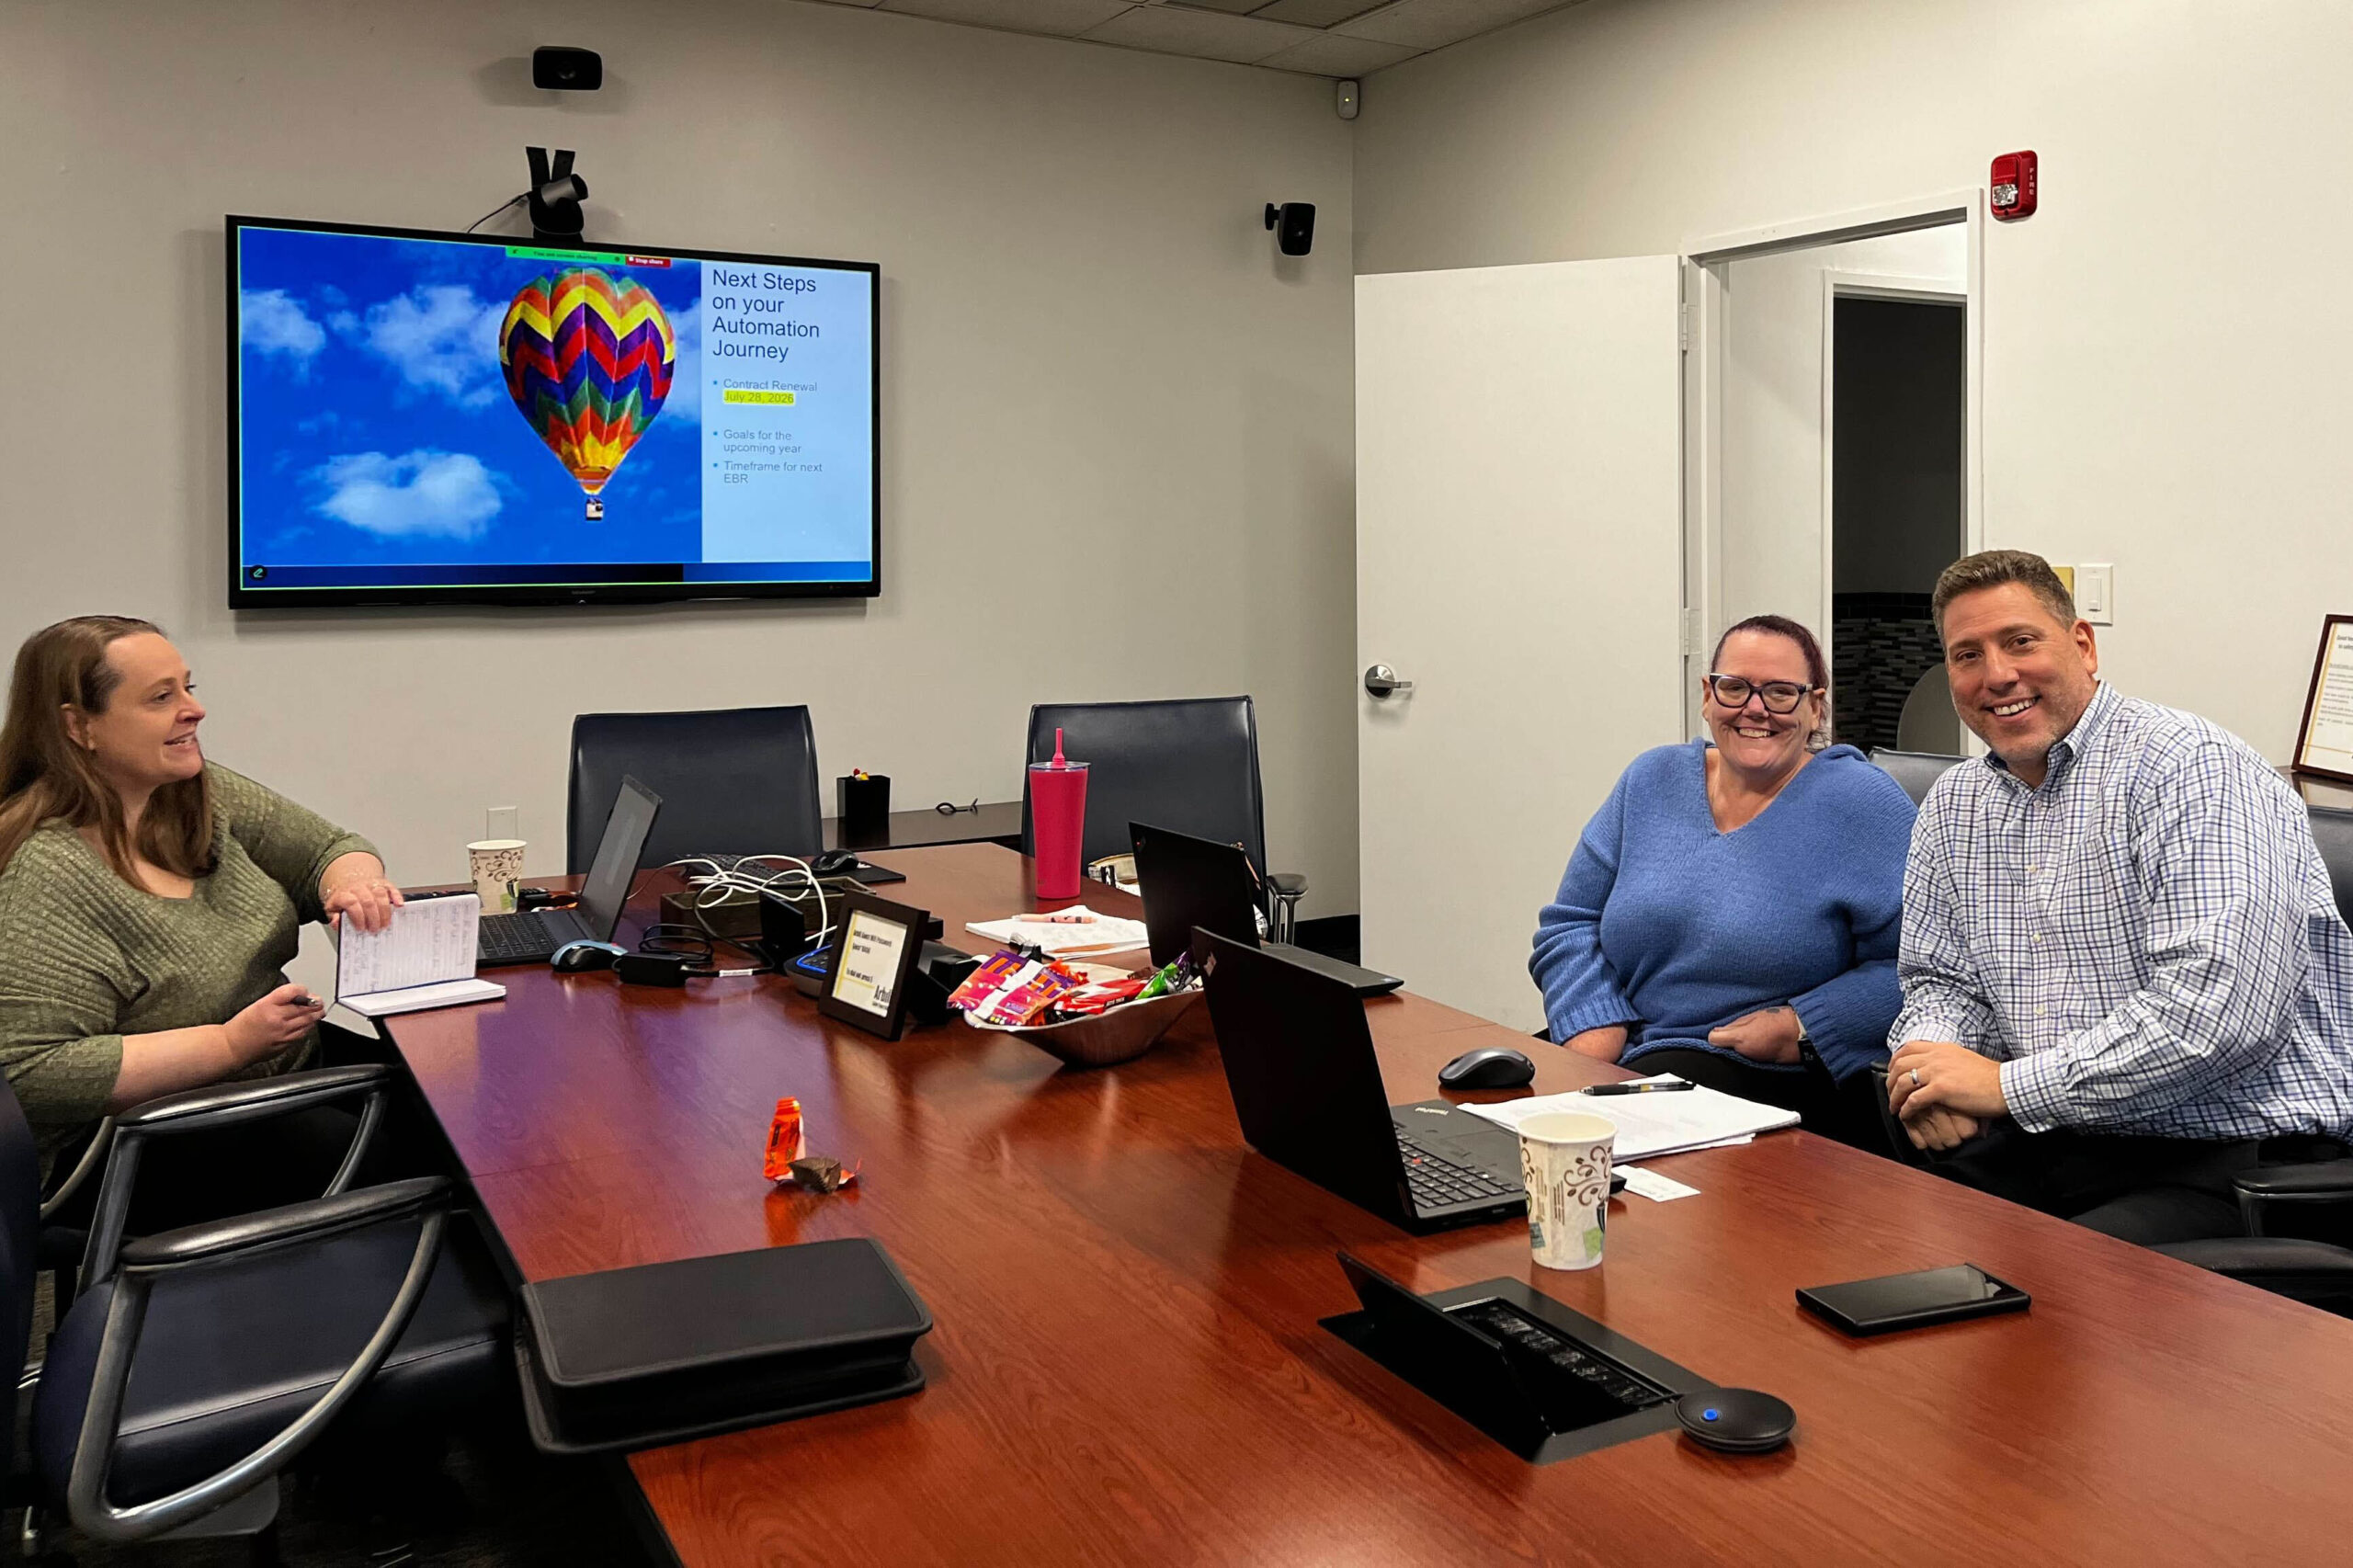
1306	1087
1187	883
532	936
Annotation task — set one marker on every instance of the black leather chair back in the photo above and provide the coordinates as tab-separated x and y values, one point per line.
19	1260
2332	831
1916	770
733	780
1191	765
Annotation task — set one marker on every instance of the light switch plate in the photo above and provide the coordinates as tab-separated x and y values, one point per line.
2096	592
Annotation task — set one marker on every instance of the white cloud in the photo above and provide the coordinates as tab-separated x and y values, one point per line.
272	321
441	338
685	384
446	494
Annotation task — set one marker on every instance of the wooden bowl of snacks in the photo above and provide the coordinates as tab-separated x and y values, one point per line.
1121	1034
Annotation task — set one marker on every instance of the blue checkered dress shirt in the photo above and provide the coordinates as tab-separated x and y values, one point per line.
2147	943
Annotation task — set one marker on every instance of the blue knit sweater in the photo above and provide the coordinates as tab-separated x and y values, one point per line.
1670	927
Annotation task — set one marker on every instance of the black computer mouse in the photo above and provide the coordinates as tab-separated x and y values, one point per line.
579	957
1489	1067
835	863
1738	1421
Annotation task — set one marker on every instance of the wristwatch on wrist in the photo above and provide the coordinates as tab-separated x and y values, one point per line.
1805	1040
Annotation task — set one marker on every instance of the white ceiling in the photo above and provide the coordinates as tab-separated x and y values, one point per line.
1321	38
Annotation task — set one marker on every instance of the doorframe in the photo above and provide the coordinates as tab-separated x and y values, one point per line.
1865	286
1704	343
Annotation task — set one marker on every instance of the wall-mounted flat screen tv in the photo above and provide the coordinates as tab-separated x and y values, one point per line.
428	418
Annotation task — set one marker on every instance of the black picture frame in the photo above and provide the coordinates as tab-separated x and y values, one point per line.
2320	674
642	586
891	1022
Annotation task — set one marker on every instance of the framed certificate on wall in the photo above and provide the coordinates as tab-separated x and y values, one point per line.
2324	742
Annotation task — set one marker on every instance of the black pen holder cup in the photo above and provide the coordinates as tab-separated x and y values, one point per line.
864	807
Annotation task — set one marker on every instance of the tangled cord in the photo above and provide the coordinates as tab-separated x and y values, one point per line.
717	882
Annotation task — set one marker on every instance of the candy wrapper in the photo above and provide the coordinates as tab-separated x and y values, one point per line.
1012	989
786	1142
821	1173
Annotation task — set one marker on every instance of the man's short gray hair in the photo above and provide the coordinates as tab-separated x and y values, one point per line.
1991	569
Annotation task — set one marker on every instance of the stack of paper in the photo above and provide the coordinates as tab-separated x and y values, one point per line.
424	958
1653	1125
1065	933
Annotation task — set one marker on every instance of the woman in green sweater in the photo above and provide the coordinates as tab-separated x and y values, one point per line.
149	899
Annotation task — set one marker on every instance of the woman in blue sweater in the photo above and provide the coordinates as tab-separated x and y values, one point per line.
1730	914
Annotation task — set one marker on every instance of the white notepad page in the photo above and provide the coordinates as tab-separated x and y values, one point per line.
1651	1125
424	958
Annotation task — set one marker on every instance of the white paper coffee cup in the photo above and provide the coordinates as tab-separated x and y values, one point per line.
497	868
1564	1155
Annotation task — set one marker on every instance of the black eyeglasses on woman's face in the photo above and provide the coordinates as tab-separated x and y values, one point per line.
1780	695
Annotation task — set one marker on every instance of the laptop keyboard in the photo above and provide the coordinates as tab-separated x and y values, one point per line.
1437	1183
512	938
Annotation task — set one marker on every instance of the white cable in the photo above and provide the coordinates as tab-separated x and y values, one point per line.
712	889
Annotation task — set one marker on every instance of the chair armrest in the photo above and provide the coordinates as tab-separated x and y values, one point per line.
2267	1188
92	1513
218	1240
2313	1272
94	1155
223	1104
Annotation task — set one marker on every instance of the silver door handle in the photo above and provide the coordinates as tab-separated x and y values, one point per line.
1382	682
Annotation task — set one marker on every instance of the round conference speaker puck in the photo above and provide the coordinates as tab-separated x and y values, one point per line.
1738	1421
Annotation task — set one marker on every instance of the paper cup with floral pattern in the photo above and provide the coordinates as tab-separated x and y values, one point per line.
497	867
1565	1157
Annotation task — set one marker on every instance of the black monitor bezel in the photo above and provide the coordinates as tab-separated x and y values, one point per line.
242	597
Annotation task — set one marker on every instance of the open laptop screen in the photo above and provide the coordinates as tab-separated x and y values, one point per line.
615	864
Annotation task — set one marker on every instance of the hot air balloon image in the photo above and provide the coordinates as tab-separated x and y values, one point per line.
587	359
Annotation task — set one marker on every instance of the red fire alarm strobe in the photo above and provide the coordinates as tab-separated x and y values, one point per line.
2014	185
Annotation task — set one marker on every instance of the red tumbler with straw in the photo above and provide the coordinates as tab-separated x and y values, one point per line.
1058	821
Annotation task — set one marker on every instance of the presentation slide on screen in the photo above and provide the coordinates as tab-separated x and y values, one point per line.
434	413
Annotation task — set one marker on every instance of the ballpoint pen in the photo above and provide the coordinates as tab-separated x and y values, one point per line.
1643	1088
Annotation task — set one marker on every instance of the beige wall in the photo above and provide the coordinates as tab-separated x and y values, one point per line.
2164	384
1117	455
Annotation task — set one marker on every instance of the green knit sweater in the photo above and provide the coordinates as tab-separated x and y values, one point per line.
86	958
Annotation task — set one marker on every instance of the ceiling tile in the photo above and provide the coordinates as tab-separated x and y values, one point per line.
1432	24
1171	29
1237	7
1332	55
1315	13
1061	18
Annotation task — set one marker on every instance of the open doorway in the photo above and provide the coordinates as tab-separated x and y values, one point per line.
1767	532
1895	441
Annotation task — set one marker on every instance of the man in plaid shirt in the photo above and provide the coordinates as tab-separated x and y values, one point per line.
2125	979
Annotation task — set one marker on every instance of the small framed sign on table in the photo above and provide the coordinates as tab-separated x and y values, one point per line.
2324	742
874	956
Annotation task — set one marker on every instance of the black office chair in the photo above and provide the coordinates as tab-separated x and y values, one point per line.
1190	765
2333	832
197	1364
732	780
1916	770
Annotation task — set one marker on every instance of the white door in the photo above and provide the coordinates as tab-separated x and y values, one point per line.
1519	558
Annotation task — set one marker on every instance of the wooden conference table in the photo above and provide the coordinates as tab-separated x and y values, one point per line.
1127	1366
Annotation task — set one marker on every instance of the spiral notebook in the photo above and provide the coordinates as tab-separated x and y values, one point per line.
1651	1125
424	958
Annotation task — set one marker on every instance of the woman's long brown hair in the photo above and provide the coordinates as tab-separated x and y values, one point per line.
43	774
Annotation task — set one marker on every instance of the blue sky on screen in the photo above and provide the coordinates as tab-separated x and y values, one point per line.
377	428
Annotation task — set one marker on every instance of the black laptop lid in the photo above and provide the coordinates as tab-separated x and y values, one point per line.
1306	1083
1187	881
610	875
